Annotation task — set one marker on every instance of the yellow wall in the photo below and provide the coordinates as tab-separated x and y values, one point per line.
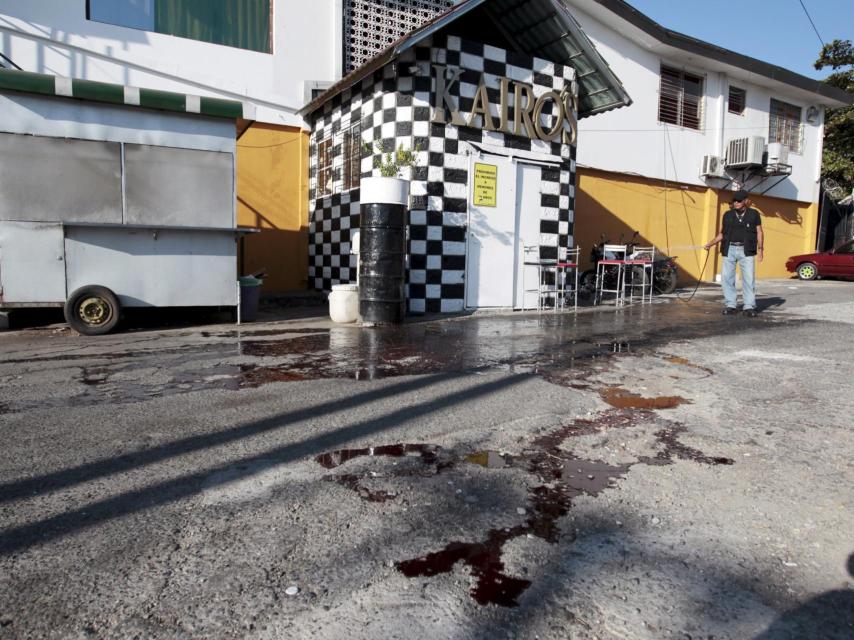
677	217
790	228
272	194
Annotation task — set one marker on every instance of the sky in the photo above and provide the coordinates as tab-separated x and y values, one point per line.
775	31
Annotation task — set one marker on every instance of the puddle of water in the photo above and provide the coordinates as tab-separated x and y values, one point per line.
606	420
429	454
687	363
352	482
567	477
550	347
589	476
252	376
547	504
488	459
672	447
623	399
619	346
492	586
94	376
259	332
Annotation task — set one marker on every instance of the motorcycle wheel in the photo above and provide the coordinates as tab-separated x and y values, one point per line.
665	281
587	285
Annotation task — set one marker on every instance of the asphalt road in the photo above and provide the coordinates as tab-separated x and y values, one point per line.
649	472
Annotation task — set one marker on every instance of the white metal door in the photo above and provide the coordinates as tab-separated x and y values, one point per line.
32	263
491	239
527	233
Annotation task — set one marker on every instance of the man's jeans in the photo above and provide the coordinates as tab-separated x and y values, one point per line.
748	277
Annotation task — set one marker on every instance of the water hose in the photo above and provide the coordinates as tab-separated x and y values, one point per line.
699	280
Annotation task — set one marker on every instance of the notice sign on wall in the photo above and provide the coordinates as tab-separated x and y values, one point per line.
485	185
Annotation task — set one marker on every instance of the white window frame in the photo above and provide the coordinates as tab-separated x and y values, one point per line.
784	128
352	157
679	96
325	186
729	100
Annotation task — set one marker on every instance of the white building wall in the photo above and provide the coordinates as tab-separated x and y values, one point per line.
632	140
54	37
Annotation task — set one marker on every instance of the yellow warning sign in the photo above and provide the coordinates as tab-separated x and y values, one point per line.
485	185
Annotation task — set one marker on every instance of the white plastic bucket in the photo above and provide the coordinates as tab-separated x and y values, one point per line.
344	303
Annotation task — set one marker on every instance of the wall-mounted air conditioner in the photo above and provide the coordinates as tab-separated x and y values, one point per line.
745	152
778	154
713	167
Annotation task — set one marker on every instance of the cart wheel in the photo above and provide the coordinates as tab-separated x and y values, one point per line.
92	310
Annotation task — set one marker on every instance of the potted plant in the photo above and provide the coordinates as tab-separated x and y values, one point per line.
390	187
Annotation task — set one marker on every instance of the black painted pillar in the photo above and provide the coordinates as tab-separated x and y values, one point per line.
382	250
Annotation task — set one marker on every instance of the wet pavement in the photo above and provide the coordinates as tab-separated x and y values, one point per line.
546	344
648	472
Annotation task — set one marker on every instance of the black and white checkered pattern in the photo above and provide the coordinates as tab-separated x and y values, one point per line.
393	107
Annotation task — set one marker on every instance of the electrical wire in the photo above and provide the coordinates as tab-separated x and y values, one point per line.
820	39
657	129
10	61
664	164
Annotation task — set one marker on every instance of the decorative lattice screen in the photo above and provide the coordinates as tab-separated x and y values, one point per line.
370	26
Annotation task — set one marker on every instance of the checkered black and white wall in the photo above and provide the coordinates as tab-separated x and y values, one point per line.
392	107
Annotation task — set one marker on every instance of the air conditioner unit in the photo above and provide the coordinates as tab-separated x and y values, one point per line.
745	152
713	167
778	153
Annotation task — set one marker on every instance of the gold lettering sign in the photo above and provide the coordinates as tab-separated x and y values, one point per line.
527	112
485	185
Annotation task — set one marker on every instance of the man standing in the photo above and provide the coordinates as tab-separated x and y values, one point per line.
742	239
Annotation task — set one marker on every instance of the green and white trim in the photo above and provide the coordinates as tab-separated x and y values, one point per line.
92	91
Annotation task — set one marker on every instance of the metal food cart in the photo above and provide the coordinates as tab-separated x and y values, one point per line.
113	196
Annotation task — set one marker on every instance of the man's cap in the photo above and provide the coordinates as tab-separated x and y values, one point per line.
741	194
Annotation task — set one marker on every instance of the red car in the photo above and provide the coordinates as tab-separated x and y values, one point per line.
838	262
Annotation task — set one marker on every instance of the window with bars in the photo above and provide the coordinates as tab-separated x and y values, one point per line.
324	167
680	98
784	125
352	157
737	99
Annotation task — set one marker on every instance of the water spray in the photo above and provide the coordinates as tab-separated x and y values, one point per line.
687	247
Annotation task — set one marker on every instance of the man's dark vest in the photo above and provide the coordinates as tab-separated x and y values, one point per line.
751	221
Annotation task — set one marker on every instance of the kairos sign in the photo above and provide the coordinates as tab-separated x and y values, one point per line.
528	116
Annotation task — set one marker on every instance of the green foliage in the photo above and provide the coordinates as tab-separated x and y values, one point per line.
392	161
838	160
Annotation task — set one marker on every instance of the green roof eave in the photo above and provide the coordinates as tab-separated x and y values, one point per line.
105	92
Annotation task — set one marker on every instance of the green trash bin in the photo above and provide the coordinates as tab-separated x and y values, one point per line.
250	295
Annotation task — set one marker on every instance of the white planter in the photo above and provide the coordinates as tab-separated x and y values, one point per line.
383	190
